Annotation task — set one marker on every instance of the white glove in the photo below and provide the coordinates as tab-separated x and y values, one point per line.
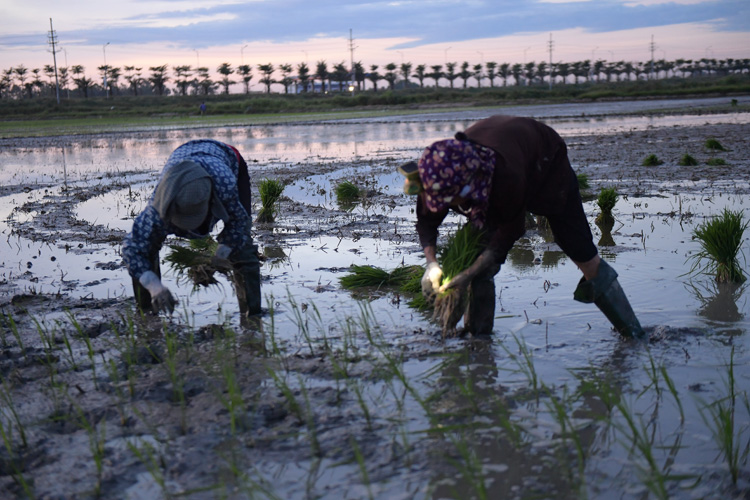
220	260
161	297
431	279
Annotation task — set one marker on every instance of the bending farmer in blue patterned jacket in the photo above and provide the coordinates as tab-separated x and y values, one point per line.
204	181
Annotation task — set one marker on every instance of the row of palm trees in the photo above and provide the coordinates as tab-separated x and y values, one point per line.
20	82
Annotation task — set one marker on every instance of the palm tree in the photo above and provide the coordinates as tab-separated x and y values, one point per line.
204	84
420	72
516	71
437	73
286	79
406	71
81	81
491	74
225	69
64	78
505	73
267	78
465	74
182	77
158	78
133	76
340	75
49	72
450	72
359	75
245	71
113	76
477	74
529	71
374	76
563	69
321	73
21	72
303	75
390	75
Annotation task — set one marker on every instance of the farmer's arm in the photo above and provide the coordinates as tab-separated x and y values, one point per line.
427	228
500	242
236	232
143	242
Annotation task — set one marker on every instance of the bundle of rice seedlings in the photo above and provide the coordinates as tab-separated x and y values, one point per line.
651	161
270	192
715	162
721	240
347	192
606	201
371	276
459	252
714	145
583	181
688	161
192	263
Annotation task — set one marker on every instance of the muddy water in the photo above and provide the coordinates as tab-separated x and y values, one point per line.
694	323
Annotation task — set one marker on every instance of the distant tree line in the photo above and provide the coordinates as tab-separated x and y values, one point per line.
21	83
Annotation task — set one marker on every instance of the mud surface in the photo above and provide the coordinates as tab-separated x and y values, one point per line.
340	395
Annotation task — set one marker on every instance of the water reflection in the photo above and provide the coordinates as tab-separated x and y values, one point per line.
718	301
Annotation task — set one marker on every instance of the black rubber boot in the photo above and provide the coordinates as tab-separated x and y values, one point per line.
142	296
605	291
479	318
246	276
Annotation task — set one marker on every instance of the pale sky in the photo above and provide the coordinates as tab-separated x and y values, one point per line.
187	32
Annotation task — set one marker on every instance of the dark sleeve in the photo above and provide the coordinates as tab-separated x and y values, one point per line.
502	237
428	223
243	185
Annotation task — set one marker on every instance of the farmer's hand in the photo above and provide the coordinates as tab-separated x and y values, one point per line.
460	281
431	279
220	259
161	297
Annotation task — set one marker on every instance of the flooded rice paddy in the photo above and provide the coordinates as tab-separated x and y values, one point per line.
342	394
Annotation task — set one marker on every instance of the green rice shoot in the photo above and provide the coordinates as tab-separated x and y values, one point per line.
716	162
583	181
606	201
192	262
652	161
714	145
372	276
721	241
270	191
347	192
688	160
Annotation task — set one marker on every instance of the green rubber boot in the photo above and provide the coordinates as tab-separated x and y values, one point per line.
605	291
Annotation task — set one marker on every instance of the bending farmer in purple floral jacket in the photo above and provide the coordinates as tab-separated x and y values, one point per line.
494	172
204	181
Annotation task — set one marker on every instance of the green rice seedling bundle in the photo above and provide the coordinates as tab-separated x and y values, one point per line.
192	262
606	201
459	252
270	191
715	162
688	160
372	276
347	192
721	240
652	161
714	145
583	181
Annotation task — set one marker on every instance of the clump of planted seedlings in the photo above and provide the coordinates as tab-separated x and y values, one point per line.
606	201
583	181
720	239
347	192
714	145
688	160
192	262
270	191
715	162
651	161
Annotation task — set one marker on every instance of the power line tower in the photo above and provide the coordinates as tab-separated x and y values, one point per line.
351	58
550	44
52	39
652	48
